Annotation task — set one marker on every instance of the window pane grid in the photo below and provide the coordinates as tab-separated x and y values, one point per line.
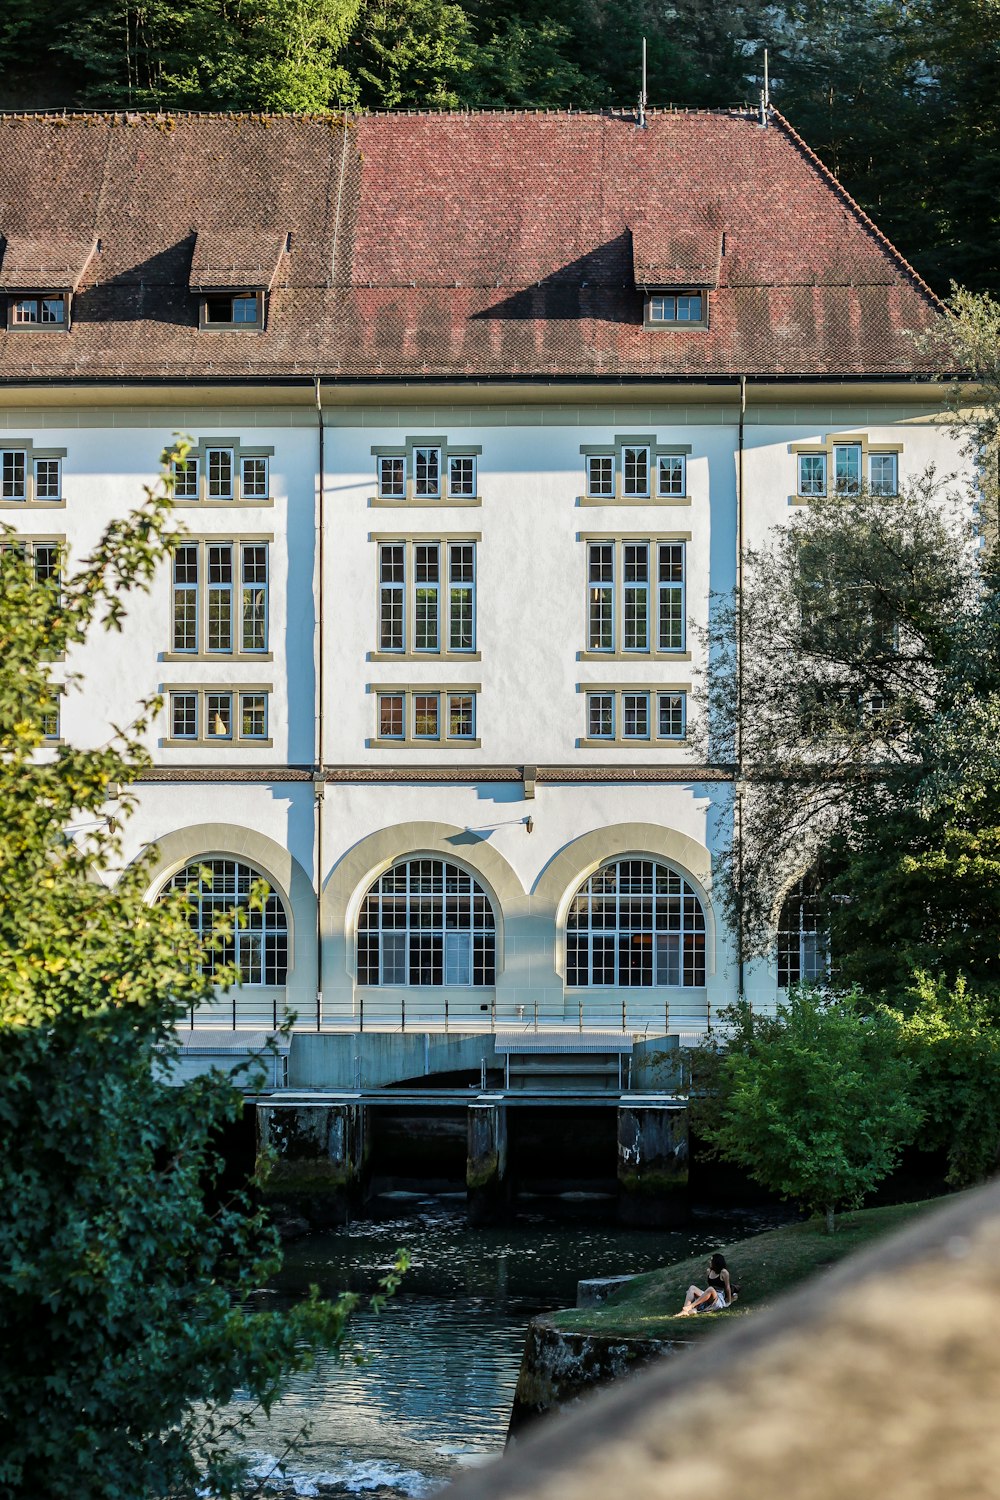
253	479
427	471
47	479
13	470
635	471
426	922
812	473
185	590
461	596
672	467
220	474
636	924
671	590
215	887
392	477
601	474
253	562
392	564
803	945
219	572
462	476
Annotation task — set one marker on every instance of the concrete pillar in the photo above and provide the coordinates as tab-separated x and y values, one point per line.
653	1164
319	1157
486	1163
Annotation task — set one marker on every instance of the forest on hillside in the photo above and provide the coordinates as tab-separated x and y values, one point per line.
898	97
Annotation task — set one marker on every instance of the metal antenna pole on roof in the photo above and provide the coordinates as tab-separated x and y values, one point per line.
765	94
642	93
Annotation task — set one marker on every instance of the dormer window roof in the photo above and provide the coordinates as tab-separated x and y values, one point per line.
39	275
675	271
232	272
671	262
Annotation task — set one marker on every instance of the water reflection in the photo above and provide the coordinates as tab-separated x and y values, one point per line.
441	1361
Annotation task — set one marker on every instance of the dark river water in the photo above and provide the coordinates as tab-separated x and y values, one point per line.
439	1363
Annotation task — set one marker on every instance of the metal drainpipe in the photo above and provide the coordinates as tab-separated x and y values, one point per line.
738	808
319	783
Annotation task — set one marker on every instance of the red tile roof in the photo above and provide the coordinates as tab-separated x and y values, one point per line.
45	262
463	245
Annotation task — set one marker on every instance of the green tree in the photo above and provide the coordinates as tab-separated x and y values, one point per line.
124	1268
817	1101
412	54
951	1034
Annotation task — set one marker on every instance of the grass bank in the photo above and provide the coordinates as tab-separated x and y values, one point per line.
763	1266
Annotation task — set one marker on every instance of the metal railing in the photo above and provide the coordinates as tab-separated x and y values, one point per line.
632	1012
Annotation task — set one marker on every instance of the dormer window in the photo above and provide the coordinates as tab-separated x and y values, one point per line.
675	270
677	307
232	273
46	312
233	310
38	278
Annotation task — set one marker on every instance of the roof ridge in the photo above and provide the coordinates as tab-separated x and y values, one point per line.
614	111
855	206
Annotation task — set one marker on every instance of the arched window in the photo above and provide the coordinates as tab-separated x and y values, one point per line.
426	922
803	943
214	886
635	922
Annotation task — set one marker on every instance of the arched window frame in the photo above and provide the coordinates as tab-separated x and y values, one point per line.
427	952
677	951
262	947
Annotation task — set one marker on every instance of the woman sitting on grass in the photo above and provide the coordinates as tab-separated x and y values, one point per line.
716	1296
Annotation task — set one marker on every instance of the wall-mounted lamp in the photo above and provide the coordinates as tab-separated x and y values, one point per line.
529	823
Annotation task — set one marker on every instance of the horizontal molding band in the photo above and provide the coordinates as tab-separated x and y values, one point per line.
333	775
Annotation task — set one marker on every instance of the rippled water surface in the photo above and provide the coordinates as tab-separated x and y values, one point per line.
440	1362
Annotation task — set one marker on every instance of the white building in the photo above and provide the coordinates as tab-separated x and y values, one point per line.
482	408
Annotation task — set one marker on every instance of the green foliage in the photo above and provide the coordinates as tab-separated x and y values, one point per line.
123	1265
413	52
952	1037
816	1101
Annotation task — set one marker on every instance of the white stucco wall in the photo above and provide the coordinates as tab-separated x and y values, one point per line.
530	630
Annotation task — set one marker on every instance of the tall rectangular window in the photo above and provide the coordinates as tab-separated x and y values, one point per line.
601	596
462	475
427	599
185	597
601	474
219	612
635	567
186	479
392	478
670	708
184	716
13	474
253	562
635	471
219	716
847	468
392	598
253	716
220	473
601	716
883	476
461	716
461	596
253	478
812	474
426	716
670	585
48	485
427	471
635	716
390	716
672	470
